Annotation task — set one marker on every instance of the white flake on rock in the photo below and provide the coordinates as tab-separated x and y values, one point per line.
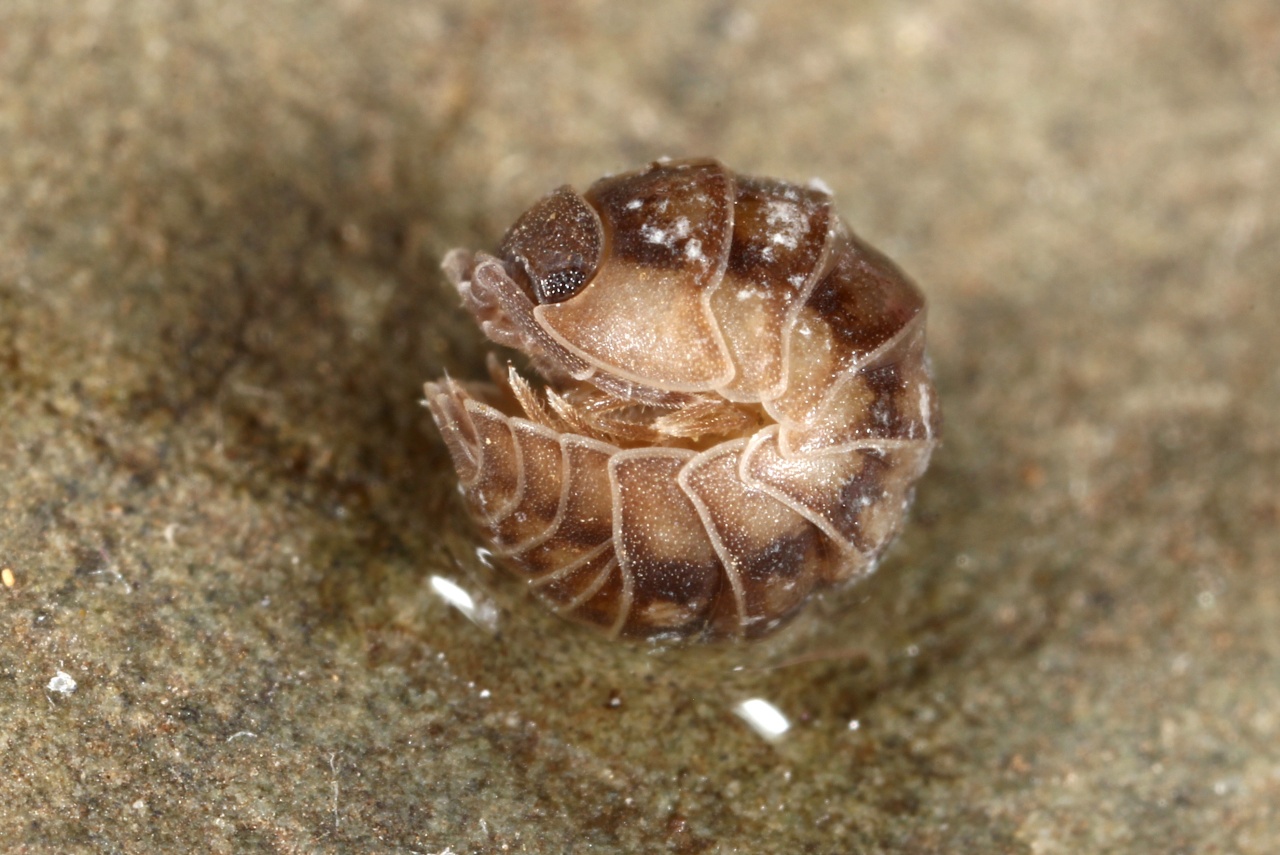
62	683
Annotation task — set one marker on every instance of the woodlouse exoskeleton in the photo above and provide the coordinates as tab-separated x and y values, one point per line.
734	401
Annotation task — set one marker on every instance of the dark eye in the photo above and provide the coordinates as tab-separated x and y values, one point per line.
557	244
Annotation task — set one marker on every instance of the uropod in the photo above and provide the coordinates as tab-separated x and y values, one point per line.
730	401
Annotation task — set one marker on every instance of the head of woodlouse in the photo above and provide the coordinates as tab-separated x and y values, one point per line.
730	406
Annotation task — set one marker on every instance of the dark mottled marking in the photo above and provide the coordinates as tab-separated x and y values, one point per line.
779	560
859	493
767	249
791	563
864	299
651	217
681	589
884	417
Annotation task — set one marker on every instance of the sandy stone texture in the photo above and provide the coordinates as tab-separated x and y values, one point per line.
225	517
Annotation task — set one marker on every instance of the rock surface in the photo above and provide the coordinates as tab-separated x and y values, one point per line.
225	520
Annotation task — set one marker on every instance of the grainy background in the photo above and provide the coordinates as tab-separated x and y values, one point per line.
220	503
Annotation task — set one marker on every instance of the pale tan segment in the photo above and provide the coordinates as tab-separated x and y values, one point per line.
585	518
542	493
889	396
497	488
444	400
781	237
662	545
858	497
862	301
773	557
644	316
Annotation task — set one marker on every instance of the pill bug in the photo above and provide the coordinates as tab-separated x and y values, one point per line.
730	408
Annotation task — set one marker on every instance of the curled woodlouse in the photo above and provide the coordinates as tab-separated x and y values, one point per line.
732	403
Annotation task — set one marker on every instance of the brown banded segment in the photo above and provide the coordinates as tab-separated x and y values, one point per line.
773	596
858	496
569	586
585	519
864	298
779	232
662	545
890	397
831	490
644	316
445	402
496	489
781	235
861	302
884	498
535	515
676	215
557	244
772	556
609	605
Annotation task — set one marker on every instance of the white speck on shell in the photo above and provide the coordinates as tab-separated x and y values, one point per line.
788	222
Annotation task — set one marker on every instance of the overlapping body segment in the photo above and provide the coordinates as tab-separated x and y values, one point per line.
732	401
